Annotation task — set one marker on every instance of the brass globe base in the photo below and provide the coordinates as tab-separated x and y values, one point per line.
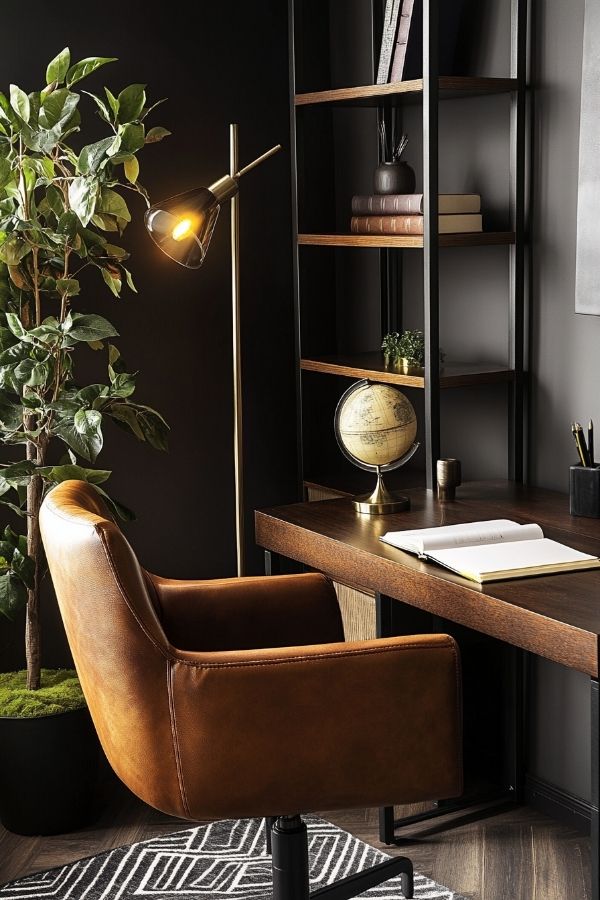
381	502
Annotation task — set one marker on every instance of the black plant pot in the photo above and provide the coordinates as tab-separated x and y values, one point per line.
394	178
48	771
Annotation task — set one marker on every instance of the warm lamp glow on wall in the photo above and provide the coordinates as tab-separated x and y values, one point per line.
182	227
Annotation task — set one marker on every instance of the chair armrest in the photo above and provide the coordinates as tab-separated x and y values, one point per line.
245	613
302	729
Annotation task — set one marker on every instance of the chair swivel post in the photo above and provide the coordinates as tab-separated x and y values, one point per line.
289	838
289	843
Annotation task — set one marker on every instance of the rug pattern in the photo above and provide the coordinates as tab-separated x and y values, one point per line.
222	860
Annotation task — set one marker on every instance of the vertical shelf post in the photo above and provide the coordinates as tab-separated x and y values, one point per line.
518	299
294	146
430	237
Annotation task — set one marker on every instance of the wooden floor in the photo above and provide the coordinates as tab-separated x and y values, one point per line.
516	854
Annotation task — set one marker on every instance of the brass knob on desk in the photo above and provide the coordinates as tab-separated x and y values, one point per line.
448	478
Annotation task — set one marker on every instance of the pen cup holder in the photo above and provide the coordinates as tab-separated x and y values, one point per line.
584	491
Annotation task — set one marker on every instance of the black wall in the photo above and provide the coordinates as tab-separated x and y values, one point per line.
216	63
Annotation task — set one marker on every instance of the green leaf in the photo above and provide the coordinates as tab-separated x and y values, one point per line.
57	69
67	287
103	110
112	281
91	328
87	421
132	137
20	102
157	134
118	509
131	167
16	474
85	67
13	250
17	327
83	195
56	474
111	251
91	156
57	109
24	567
145	423
129	279
113	204
86	445
6	172
106	223
67	223
13	595
112	102
131	101
32	373
123	385
55	200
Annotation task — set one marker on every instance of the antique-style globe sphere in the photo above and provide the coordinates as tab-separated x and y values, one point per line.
376	427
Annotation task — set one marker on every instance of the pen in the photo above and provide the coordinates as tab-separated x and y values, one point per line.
579	442
591	442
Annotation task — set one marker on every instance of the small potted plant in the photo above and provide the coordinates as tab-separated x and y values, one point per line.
405	352
62	212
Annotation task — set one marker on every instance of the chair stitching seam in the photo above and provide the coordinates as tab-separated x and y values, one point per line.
175	738
109	559
307	659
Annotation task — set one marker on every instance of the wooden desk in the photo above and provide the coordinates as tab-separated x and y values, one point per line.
556	617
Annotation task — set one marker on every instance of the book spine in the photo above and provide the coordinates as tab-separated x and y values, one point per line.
388	205
386	225
388	39
397	71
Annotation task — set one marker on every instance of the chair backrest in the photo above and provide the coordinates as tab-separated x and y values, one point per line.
120	651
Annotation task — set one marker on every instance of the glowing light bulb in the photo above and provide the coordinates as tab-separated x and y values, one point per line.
182	230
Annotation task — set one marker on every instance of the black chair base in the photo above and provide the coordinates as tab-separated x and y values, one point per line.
289	846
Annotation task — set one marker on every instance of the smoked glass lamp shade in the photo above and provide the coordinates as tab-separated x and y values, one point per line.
182	226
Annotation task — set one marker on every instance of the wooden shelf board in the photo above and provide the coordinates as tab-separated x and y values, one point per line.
476	239
451	87
372	366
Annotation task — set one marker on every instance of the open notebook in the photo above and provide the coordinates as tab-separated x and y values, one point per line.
491	550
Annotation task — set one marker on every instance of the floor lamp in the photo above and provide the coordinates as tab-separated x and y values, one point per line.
182	227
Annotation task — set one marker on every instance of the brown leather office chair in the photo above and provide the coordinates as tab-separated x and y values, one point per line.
239	697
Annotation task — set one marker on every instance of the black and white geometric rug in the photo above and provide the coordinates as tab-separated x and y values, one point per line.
222	860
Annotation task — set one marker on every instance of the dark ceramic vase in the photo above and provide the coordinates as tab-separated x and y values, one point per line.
394	178
48	771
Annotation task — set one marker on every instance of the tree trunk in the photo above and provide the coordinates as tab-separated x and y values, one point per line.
34	550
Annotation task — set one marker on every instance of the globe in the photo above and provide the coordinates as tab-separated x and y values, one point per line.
375	425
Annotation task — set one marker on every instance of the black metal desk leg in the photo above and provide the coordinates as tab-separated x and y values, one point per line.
272	563
383	609
595	824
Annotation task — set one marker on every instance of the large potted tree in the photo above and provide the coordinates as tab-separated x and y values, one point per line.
63	210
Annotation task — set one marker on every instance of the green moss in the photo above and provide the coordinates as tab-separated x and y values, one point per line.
60	691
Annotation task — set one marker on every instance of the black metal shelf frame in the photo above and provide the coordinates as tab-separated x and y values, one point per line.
391	259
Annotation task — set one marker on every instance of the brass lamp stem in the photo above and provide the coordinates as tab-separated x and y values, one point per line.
257	161
237	359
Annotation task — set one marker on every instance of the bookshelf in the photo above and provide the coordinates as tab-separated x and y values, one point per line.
327	257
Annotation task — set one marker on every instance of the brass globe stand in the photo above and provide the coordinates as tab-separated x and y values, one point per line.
383	502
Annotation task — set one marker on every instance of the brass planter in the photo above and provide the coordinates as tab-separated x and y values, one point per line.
405	366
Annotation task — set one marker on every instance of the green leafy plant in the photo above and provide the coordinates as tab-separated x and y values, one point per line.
62	212
409	346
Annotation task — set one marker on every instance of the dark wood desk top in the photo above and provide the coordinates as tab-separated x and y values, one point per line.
556	616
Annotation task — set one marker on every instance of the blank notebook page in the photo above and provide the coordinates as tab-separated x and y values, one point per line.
515	555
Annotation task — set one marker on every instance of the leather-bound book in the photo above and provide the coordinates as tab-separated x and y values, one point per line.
412	204
402	225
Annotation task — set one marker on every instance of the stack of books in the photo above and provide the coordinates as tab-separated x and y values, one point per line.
403	214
